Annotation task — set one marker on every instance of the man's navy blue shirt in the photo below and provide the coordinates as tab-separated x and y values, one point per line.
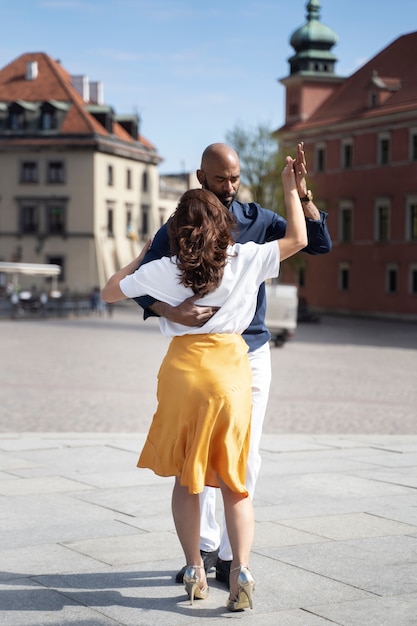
253	224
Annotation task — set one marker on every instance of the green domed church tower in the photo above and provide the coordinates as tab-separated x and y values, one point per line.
312	44
312	75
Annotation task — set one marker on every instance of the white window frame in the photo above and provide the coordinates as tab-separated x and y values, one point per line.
382	137
345	206
318	147
342	267
410	202
411	270
413	133
388	268
346	142
380	203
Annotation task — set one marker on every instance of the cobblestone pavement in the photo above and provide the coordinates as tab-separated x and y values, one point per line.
98	374
86	538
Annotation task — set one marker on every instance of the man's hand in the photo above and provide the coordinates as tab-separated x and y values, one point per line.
300	168
187	313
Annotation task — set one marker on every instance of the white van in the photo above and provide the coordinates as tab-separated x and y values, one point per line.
281	311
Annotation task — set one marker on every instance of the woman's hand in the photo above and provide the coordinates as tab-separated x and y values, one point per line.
288	175
111	292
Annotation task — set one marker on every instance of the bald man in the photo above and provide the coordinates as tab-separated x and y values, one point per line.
220	173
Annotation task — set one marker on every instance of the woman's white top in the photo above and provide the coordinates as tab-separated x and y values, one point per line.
248	265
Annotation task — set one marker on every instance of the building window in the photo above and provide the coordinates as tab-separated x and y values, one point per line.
344	277
128	220
392	278
110	176
110	221
382	222
130	231
320	158
413	145
17	119
48	121
57	260
384	149
29	172
412	222
293	109
145	220
346	224
413	279
55	172
128	179
55	219
29	219
162	219
347	154
145	181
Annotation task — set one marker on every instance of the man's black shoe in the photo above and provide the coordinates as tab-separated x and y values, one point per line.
209	559
223	571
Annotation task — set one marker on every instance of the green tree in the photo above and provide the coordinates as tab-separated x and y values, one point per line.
261	164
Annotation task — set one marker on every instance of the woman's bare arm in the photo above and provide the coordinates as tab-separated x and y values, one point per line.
295	238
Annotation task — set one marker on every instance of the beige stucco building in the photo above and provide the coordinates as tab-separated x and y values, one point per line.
79	186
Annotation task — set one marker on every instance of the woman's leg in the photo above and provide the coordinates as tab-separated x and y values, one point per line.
186	513
240	528
260	360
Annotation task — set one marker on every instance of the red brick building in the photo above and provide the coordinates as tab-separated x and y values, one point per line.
360	137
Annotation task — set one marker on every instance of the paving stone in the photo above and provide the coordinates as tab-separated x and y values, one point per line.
398	611
384	566
86	538
350	526
48	484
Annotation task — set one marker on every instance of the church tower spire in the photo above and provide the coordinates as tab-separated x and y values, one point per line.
312	77
312	43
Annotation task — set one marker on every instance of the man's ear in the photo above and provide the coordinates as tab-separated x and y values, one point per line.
200	176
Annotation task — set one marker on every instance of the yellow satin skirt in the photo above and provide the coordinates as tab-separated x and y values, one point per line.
200	430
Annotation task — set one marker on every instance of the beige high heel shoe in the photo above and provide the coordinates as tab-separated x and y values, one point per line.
191	581
245	589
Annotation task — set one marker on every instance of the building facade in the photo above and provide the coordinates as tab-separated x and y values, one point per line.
360	136
79	185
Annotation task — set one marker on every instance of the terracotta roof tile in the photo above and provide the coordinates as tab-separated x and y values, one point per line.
396	64
53	82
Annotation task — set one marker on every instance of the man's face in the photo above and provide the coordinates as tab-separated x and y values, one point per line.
223	181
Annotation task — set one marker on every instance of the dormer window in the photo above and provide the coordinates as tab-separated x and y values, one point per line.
381	89
47	120
16	117
103	114
52	113
22	115
373	99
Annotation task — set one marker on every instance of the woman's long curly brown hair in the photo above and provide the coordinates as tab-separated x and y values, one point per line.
200	231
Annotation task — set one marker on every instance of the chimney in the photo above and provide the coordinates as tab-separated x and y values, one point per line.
31	70
96	92
82	86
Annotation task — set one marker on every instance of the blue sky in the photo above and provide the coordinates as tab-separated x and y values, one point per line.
193	69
